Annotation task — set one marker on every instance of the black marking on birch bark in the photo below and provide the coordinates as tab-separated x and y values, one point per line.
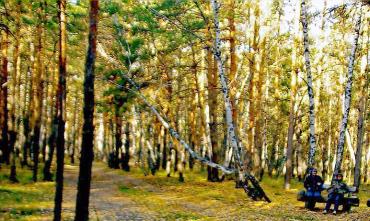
347	96
312	149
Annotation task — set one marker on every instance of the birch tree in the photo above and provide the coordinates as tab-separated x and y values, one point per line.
347	96
225	90
312	139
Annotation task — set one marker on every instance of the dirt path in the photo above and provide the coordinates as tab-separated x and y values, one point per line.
106	203
127	196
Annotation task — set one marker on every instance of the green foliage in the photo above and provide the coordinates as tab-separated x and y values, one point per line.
132	191
112	8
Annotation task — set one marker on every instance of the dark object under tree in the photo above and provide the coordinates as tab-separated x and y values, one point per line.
349	200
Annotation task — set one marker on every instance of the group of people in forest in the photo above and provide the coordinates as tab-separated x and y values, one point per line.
314	185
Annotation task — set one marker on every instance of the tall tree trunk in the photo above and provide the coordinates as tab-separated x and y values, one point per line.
360	127
4	100
164	149
16	64
75	127
26	114
312	139
38	94
87	154
61	106
293	91
298	135
204	108
237	152
46	120
367	157
347	95
233	60
258	134
126	156
118	136
213	149
48	176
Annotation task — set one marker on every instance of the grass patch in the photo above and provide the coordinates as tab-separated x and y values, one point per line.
198	199
181	216
128	190
25	200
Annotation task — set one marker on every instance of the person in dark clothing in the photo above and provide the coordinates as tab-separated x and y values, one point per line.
336	193
313	184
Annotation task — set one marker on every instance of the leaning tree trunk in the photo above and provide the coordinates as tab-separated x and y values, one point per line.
312	139
238	153
175	134
225	90
87	153
61	114
347	97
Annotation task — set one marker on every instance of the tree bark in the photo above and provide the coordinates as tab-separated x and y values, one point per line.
298	135
16	65
61	106
48	176
293	90
118	136
126	156
211	116
361	128
37	103
75	127
258	134
87	154
4	100
229	120
27	109
347	95
312	139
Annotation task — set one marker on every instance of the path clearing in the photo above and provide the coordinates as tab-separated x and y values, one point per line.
106	202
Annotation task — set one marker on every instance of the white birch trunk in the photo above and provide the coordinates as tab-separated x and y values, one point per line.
347	101
312	139
350	147
225	90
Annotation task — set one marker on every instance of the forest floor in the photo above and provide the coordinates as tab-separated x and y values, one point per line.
119	195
